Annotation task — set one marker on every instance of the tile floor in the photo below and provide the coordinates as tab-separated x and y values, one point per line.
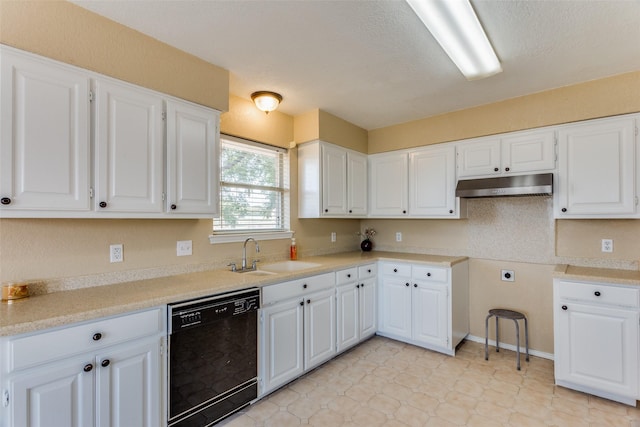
387	383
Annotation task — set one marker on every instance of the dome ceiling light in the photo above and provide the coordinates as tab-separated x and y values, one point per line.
266	101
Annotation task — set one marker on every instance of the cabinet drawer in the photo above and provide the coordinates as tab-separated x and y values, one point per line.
295	288
35	349
394	269
600	294
432	274
347	275
367	271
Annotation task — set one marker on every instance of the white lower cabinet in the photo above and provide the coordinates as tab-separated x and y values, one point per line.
298	328
356	305
103	373
424	305
596	328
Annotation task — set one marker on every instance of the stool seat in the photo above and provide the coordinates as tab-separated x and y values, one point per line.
511	315
506	314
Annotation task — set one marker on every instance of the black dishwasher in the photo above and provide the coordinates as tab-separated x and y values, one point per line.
213	353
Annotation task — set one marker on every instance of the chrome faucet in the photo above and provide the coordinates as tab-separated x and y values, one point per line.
244	253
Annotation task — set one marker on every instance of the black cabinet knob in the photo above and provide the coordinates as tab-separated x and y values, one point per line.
506	169
174	207
88	367
406	284
308	301
357	286
326	210
563	209
415	285
350	211
5	201
450	211
404	212
496	169
304	286
564	307
369	271
102	204
348	275
97	336
597	293
395	270
428	274
301	302
105	363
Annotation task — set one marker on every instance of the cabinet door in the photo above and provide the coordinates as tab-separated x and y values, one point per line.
529	152
44	137
334	180
319	328
430	313
192	159
282	332
58	394
129	391
367	308
395	307
356	184
348	318
596	169
597	347
479	157
128	148
432	181
388	181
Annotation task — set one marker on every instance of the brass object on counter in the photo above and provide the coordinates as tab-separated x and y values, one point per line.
13	291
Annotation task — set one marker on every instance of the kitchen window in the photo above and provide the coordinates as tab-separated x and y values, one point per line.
254	190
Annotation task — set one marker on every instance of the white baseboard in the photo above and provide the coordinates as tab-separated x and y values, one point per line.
511	347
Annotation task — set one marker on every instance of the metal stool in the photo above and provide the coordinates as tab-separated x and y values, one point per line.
506	314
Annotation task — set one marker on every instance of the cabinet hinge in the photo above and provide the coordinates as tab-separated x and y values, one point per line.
90	96
91	192
164	115
5	398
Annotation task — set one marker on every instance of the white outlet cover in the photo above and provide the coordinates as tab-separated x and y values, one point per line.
116	253
184	248
607	245
398	236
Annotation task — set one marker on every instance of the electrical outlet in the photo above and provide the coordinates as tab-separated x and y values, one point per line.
333	236
607	245
398	236
508	276
184	248
116	253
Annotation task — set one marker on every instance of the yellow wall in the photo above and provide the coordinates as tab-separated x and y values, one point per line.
598	98
318	124
68	33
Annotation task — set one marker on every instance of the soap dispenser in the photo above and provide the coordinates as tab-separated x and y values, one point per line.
293	250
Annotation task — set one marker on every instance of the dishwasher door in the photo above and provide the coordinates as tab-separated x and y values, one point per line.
213	353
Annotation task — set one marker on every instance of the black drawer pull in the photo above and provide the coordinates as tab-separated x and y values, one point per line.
5	201
304	286
97	336
428	274
597	293
88	367
105	363
348	275
564	307
174	207
103	204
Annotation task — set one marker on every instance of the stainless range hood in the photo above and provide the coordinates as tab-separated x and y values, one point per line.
521	185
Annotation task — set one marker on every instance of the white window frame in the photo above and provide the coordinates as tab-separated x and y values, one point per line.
239	236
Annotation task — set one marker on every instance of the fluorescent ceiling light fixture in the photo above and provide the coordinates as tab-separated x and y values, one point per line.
266	101
455	26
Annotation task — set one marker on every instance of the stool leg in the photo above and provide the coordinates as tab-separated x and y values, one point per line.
497	336
517	344
486	337
526	337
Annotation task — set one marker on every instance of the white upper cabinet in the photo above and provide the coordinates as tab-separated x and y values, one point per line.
44	135
332	181
128	148
512	153
596	173
389	184
68	135
193	139
432	182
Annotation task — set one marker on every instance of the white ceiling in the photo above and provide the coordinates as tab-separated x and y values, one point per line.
373	63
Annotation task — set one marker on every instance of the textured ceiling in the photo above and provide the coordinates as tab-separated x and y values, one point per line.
374	64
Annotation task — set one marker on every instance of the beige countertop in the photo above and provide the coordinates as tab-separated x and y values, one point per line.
65	307
603	275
